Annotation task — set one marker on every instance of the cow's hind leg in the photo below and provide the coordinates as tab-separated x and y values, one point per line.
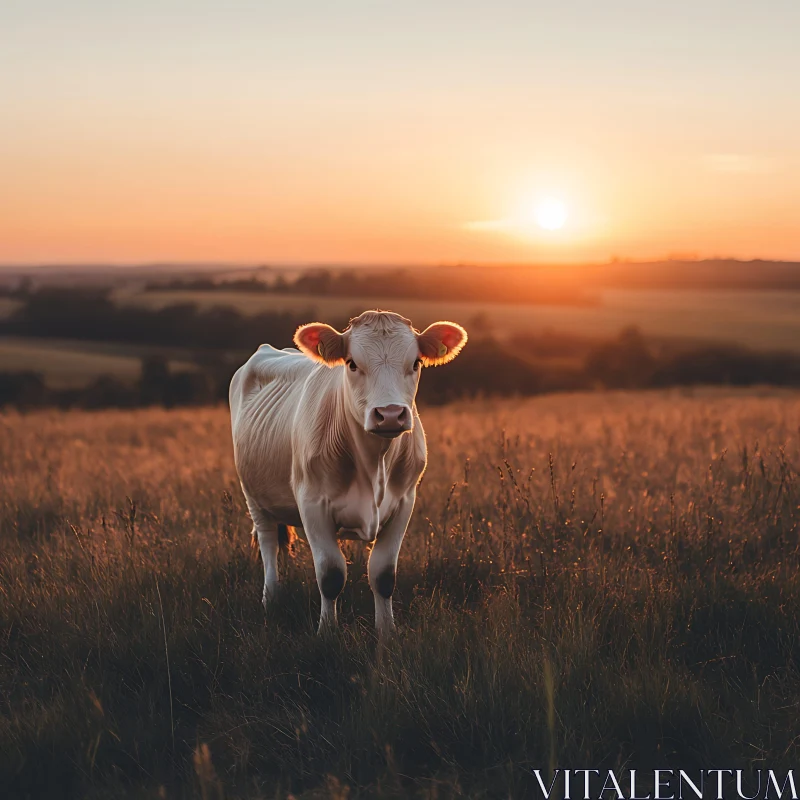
265	529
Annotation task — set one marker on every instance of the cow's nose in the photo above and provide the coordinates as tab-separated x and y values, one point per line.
390	421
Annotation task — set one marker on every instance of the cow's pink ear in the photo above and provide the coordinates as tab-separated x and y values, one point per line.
440	343
321	342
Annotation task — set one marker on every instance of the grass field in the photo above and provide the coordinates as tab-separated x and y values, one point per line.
758	319
72	364
7	307
600	580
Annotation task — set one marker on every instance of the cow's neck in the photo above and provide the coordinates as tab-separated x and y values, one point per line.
370	450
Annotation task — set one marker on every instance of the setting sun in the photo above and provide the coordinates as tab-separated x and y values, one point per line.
550	214
202	144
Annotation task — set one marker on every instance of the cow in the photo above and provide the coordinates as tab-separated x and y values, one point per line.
327	441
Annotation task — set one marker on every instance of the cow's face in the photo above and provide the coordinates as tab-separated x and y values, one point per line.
381	355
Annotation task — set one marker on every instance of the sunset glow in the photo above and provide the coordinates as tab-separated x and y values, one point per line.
550	214
349	134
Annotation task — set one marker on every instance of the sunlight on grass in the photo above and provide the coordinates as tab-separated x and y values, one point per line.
596	579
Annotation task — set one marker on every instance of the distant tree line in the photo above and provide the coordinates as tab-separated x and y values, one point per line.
488	367
158	385
18	290
209	285
91	315
218	340
440	283
711	273
539	284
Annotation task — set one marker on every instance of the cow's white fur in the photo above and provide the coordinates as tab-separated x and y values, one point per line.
305	457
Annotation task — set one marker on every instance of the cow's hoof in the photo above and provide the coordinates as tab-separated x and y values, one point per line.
328	626
270	596
386	631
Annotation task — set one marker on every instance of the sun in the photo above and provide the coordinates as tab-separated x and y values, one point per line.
538	217
550	213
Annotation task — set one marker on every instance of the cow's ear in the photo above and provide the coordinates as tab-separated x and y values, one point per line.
440	343
321	342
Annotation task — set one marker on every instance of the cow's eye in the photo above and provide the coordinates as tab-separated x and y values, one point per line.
352	365
417	364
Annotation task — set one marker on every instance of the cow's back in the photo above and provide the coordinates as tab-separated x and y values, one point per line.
264	397
267	367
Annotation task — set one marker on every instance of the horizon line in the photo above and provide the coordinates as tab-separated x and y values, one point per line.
282	265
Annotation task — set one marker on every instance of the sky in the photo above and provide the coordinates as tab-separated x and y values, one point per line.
413	132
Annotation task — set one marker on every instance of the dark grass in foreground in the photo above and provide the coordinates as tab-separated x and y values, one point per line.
631	601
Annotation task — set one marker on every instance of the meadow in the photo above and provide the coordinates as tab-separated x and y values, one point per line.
603	579
760	319
67	363
757	318
7	307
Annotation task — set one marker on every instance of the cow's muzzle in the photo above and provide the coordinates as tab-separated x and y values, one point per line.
389	421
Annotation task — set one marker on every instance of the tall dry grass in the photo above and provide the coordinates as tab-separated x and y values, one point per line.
602	580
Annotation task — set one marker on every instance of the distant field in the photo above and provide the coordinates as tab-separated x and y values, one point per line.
7	306
589	580
759	319
72	364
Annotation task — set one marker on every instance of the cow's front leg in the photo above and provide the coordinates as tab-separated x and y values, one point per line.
329	563
382	566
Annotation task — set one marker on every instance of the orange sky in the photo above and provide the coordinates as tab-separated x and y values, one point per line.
362	132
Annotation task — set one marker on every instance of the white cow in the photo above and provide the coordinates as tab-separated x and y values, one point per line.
327	438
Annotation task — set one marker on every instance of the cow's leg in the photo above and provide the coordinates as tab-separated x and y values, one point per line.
382	565
266	530
329	563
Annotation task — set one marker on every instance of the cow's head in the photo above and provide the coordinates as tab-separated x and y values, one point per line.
381	355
